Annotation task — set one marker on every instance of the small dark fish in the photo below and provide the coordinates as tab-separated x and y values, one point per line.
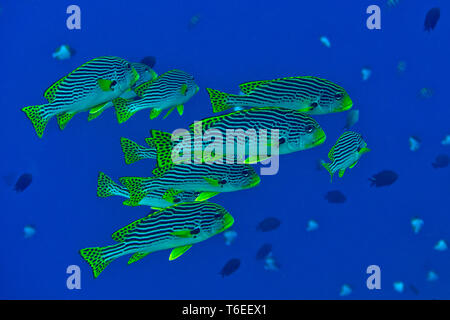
431	19
149	60
23	182
442	161
335	196
268	224
193	21
264	251
230	267
383	178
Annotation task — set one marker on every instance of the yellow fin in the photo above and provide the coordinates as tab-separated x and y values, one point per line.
179	251
180	109
96	111
341	173
183	89
63	119
353	164
137	256
154	113
213	182
182	234
104	84
206	195
248	87
169	112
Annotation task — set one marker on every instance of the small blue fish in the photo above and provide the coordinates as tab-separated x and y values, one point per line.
230	267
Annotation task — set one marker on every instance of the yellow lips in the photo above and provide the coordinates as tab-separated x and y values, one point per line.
346	104
228	221
319	138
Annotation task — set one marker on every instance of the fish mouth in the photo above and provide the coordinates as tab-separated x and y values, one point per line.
228	221
319	138
255	181
346	104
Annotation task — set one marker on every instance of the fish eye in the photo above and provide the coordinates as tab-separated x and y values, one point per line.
176	200
310	128
281	141
222	182
314	105
245	173
339	96
128	66
195	231
218	215
113	84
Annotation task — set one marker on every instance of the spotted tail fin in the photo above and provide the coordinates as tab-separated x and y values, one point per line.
106	187
38	117
133	152
219	100
94	256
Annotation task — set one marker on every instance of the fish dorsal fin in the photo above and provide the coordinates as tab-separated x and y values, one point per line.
49	94
248	87
159	171
63	119
121	234
179	251
170	195
330	154
137	256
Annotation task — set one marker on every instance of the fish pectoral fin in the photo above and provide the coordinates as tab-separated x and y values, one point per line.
206	195
180	109
169	112
363	150
183	89
104	84
96	111
137	256
155	113
182	233
353	164
213	182
176	252
341	172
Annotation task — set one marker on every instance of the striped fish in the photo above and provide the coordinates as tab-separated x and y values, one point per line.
210	178
145	74
156	199
345	153
297	131
89	86
306	94
168	91
177	227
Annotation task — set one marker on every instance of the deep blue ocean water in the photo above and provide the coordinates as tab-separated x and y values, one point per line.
234	42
